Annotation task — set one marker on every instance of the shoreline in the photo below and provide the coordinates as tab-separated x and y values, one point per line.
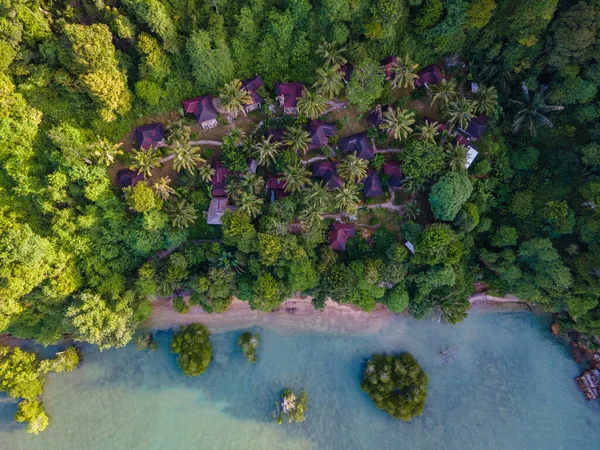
297	314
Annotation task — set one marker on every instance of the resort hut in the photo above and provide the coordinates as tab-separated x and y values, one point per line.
476	128
203	109
151	135
320	132
339	235
376	116
218	179
128	178
372	185
251	85
429	75
288	95
388	66
218	206
347	70
276	185
359	144
392	168
326	170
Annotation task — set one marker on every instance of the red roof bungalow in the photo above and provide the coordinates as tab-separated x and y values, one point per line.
203	109
128	178
388	66
392	168
429	75
326	170
359	144
320	132
218	179
218	206
277	186
152	135
376	116
275	135
288	95
339	235
347	70
251	85
372	185
477	127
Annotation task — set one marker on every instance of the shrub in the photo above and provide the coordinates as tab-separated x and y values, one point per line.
193	347
249	343
292	407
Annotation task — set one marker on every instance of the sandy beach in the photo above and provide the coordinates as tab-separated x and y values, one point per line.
296	314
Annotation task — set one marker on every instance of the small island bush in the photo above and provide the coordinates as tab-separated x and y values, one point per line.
249	343
396	384
192	345
291	407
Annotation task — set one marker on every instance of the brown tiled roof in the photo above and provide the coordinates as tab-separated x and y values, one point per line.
339	235
291	93
149	135
202	107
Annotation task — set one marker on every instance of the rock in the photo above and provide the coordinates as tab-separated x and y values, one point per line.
589	383
555	328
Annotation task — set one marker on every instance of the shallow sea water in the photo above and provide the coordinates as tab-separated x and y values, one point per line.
508	384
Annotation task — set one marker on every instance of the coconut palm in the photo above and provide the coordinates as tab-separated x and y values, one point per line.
405	73
460	112
411	210
233	98
312	104
186	157
317	197
445	92
252	183
428	131
456	157
412	185
228	261
485	100
146	160
105	152
296	176
233	189
311	216
266	151
205	172
332	55
178	131
182	214
353	168
296	139
234	137
163	189
330	81
530	112
346	198
397	123
250	204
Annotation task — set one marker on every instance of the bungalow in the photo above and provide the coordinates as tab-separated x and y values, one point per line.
218	179
359	144
376	116
275	135
218	206
339	235
476	127
372	185
347	70
128	178
326	170
320	132
251	85
429	75
276	186
392	168
203	109
288	95
152	135
389	65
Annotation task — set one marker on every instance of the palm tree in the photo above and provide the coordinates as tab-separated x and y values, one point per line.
234	137
186	157
266	151
530	113
233	189
460	113
428	131
296	139
250	204
485	100
330	81
397	123
346	198
412	185
332	55
146	160
353	168
252	183
445	92
182	214
162	188
311	216
105	152
312	105
178	131
229	261
456	156
317	197
296	176
233	98
205	172
412	210
405	73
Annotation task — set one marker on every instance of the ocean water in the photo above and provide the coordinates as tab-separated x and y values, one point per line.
507	384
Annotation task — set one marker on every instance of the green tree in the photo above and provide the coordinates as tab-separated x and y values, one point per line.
210	59
397	123
422	160
292	407
404	73
249	343
480	12
448	195
460	113
444	92
141	198
193	348
485	100
187	157
267	295
178	132
296	139
346	198
396	299
312	104
428	131
332	55
296	177
412	210
456	157
266	151
19	373
352	168
250	204
530	112
31	411
238	231
330	82
182	214
505	237
317	197
146	160
366	84
233	98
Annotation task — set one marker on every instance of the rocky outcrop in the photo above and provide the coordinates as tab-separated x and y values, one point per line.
555	328
589	383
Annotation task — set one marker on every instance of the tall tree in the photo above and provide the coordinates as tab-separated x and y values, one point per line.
233	98
296	177
266	151
163	189
530	112
296	139
312	104
485	100
460	112
346	198
405	73
182	214
445	92
428	131
330	81
456	156
332	56
146	160
186	157
353	168
397	123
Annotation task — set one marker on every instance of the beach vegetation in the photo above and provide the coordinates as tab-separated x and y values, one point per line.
249	343
193	348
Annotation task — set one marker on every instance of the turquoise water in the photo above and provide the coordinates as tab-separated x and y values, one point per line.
508	385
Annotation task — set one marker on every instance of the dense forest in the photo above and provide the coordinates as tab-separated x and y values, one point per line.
79	255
